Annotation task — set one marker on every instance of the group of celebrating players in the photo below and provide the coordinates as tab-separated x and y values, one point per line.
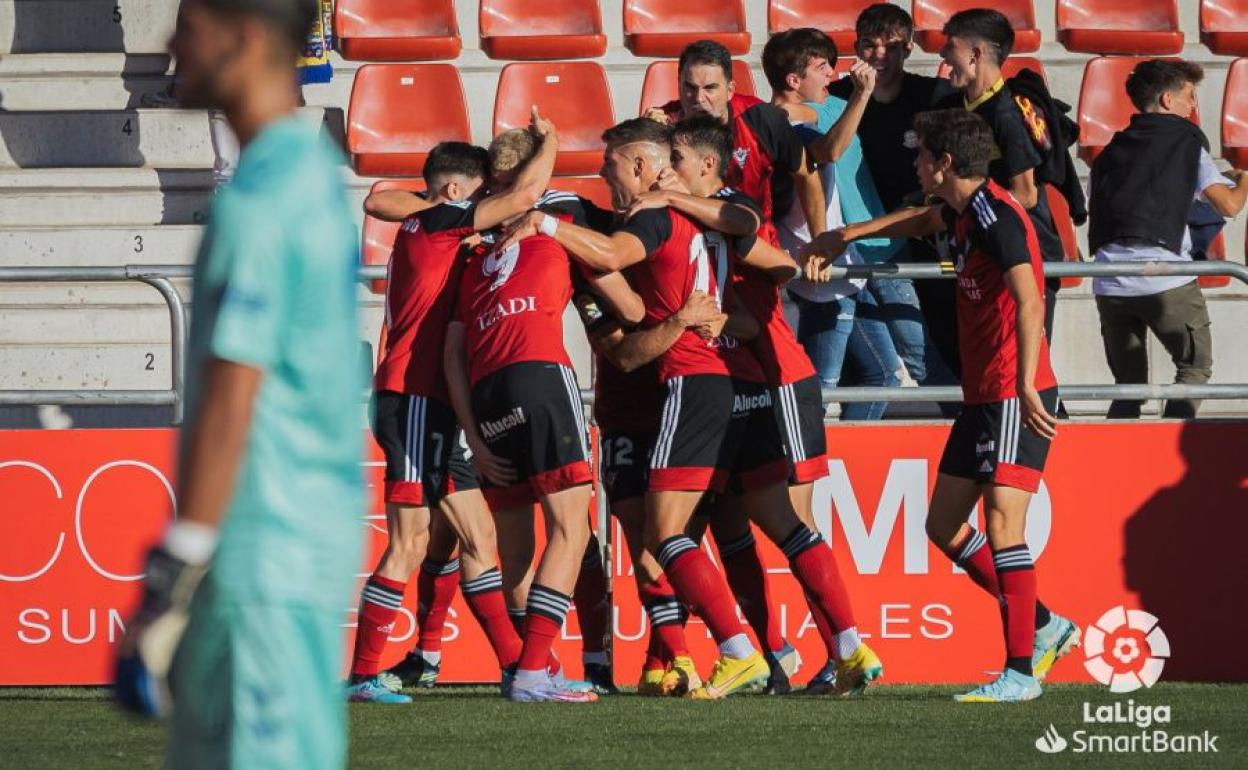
709	410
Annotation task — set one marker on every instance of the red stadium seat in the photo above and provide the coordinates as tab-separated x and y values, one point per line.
592	187
399	112
665	27
1119	26
573	95
1009	69
377	238
1065	229
396	30
1104	108
837	19
1235	115
662	83
535	29
930	17
1224	26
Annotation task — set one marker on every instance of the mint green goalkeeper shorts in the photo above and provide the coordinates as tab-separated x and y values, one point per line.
258	686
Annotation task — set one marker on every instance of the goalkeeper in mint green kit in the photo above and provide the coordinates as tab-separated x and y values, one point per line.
246	594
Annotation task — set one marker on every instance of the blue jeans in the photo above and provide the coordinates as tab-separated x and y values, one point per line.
848	336
899	308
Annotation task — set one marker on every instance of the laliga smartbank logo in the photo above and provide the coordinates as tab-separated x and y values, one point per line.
1126	650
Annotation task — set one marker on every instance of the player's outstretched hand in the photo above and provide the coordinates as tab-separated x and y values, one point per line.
540	125
657	115
494	468
152	635
1035	416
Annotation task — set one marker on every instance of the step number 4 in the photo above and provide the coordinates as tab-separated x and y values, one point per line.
126	128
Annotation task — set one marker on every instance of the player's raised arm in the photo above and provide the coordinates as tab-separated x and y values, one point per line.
394	205
526	189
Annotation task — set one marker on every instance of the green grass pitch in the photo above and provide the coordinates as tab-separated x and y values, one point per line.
891	726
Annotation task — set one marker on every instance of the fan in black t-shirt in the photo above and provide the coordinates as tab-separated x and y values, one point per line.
882	132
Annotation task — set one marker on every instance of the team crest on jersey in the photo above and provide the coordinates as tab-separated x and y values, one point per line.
500	265
741	155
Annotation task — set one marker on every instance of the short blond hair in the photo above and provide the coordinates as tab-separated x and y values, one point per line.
512	149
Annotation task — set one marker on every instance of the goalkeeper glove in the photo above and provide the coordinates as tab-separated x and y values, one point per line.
146	652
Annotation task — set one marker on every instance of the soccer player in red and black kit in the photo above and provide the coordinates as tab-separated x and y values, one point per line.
514	390
426	468
716	397
999	443
769	161
700	150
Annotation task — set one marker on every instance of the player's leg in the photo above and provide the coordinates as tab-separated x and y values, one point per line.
550	596
738	553
258	687
800	413
688	459
593	611
406	436
436	583
762	469
667	646
481	579
516	545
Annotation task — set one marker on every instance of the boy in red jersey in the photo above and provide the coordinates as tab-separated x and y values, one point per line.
716	397
998	445
426	466
769	161
700	150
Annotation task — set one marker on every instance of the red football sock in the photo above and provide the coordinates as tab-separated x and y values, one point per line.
749	585
590	597
815	567
667	626
544	619
699	586
1018	606
822	626
435	590
655	660
971	555
379	603
484	595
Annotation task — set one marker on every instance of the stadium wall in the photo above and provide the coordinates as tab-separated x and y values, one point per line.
80	507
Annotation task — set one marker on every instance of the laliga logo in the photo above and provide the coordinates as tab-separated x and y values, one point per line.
1126	650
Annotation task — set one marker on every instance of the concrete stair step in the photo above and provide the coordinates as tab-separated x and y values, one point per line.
166	139
92	246
133	26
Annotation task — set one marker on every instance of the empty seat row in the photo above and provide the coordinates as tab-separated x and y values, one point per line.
398	112
420	30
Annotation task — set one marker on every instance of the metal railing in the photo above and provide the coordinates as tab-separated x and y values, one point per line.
160	277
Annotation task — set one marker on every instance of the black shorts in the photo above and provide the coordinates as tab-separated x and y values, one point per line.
714	429
625	464
531	415
799	408
426	454
989	444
